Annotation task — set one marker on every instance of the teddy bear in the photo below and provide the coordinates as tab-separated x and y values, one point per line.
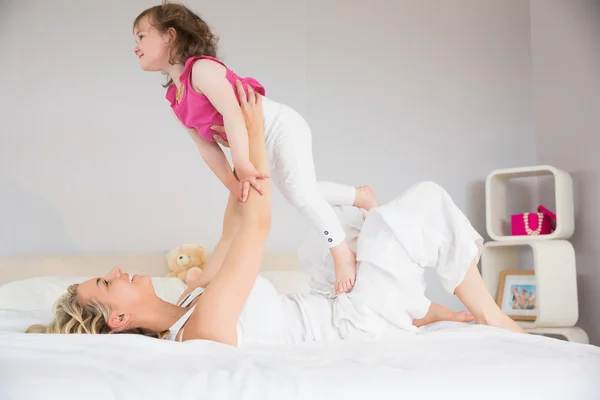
186	262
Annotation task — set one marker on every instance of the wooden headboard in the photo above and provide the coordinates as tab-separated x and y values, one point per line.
23	267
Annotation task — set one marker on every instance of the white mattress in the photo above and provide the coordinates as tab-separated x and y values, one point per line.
445	361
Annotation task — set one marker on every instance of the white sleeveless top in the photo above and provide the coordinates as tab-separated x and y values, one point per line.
269	318
262	320
179	324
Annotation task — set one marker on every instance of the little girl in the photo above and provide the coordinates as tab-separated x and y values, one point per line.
200	88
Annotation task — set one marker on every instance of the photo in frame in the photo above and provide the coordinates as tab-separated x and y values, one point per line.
517	294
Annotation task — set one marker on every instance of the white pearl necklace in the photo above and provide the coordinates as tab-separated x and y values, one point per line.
528	229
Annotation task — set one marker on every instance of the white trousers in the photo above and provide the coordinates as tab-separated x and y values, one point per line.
289	146
422	228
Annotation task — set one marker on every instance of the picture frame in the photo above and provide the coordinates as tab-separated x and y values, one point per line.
517	294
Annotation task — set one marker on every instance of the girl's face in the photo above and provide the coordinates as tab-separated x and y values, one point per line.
152	47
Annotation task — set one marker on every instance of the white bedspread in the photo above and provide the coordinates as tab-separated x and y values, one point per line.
445	361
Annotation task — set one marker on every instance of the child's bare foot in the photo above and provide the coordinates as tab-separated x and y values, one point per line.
500	320
345	268
365	198
438	313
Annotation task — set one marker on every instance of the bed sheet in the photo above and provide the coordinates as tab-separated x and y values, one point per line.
444	360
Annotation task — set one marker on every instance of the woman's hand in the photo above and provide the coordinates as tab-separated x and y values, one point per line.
249	175
252	111
218	138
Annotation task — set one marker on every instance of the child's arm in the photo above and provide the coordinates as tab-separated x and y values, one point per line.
214	157
208	77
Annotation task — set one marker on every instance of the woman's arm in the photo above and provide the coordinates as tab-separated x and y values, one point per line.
232	221
220	305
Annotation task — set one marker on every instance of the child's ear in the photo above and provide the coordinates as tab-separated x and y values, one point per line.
171	35
118	321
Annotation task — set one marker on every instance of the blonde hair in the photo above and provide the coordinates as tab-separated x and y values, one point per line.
71	316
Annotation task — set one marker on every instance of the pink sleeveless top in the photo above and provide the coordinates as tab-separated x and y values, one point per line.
195	110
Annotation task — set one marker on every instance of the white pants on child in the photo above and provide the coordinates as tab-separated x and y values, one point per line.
395	242
289	146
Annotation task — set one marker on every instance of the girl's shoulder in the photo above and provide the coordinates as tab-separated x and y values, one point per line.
191	61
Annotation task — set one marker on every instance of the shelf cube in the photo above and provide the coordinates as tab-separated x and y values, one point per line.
555	277
498	218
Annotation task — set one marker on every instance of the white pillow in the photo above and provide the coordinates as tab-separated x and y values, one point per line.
40	293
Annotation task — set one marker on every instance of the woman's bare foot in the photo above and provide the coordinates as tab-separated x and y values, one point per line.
345	268
500	320
365	198
438	313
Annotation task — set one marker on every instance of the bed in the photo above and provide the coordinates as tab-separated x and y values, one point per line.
443	360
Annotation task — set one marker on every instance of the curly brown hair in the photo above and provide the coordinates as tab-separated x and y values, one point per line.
194	37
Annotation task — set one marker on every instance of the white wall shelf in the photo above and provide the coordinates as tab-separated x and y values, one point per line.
555	276
497	218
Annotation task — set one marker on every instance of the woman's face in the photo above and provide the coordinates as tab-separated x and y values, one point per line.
123	294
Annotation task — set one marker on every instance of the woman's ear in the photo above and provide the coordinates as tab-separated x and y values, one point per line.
118	321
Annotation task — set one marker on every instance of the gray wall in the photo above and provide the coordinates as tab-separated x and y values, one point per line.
91	159
565	36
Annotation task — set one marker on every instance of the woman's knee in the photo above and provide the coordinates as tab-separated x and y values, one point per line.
427	190
429	187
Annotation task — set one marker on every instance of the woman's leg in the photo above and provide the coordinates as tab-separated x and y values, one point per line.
475	296
424	228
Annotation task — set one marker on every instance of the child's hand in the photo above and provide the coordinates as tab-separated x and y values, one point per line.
248	176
